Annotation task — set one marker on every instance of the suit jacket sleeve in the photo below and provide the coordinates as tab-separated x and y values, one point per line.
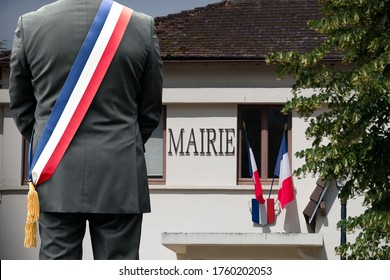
22	100
150	100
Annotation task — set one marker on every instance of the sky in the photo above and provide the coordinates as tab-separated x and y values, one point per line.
10	10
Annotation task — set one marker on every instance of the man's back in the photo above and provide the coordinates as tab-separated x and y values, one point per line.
103	170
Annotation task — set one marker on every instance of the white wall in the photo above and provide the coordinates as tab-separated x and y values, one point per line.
201	192
200	125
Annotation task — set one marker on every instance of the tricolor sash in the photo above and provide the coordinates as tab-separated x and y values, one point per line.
80	88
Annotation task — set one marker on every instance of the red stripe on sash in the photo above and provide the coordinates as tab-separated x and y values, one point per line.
88	96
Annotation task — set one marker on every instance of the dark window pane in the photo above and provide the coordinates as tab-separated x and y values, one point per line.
252	118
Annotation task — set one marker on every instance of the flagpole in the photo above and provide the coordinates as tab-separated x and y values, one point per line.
270	190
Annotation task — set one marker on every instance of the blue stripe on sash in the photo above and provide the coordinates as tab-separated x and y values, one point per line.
71	80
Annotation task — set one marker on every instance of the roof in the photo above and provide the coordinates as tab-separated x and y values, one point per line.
238	29
235	30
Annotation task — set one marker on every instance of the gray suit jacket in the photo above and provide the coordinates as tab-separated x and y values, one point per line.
103	170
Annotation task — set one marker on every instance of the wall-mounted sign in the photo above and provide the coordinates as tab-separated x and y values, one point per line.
202	142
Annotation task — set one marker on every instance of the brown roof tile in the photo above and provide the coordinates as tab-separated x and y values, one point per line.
240	29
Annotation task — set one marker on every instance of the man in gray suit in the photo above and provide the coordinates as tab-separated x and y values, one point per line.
102	176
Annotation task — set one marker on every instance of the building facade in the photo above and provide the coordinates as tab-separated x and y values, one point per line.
215	80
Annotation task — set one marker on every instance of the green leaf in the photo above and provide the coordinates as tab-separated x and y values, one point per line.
356	91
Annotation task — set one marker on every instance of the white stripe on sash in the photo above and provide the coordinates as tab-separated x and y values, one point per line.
78	91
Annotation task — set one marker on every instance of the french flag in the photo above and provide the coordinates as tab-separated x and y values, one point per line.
256	178
263	211
282	169
254	173
263	214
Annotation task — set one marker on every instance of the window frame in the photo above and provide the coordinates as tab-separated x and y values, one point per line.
263	165
25	164
162	180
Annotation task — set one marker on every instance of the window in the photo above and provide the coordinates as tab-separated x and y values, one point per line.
264	127
155	151
25	163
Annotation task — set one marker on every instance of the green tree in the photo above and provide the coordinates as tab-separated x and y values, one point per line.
350	140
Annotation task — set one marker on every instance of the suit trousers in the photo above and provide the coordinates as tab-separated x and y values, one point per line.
113	236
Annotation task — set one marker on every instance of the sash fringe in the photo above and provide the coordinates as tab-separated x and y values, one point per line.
30	240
